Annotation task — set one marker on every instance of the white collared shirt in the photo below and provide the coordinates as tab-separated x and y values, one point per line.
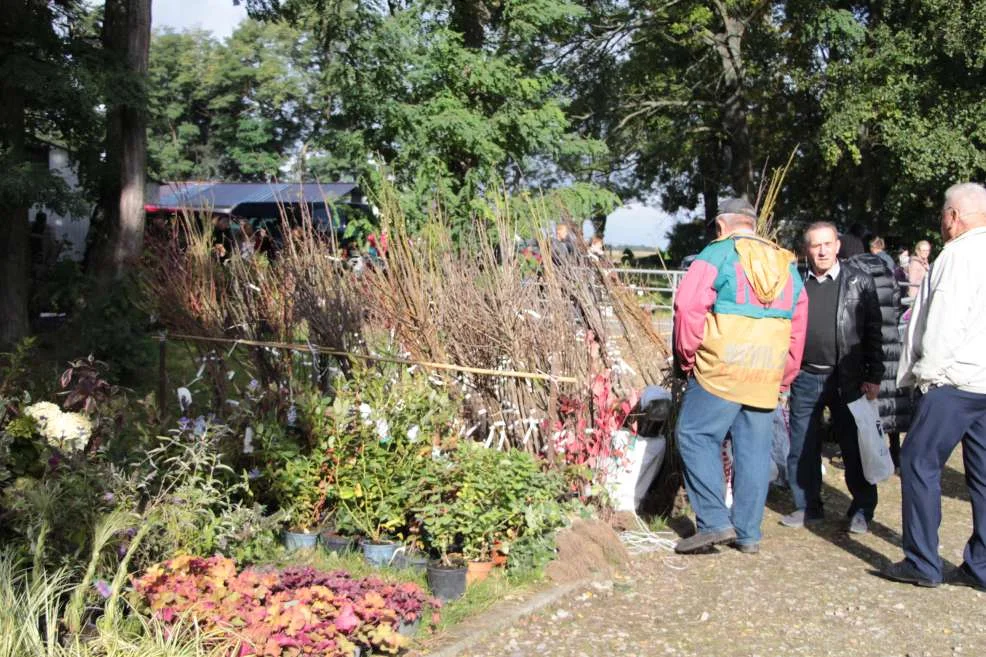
831	274
945	343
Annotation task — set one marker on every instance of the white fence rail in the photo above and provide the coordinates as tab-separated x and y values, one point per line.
661	281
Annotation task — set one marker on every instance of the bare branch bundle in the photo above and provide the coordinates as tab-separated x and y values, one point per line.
767	200
481	302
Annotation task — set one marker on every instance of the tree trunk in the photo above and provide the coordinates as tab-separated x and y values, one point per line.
729	47
126	38
14	233
708	167
469	18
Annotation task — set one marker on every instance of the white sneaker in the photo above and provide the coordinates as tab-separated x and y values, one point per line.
858	525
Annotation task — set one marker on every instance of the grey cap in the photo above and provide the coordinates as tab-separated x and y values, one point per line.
737	206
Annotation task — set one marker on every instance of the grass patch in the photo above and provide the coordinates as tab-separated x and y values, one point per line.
657	524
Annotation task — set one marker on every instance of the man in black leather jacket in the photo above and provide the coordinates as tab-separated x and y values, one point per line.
843	360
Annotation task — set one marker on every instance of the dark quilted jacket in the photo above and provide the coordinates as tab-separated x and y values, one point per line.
895	404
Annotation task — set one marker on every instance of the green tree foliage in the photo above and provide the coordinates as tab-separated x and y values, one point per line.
239	110
880	99
685	239
48	91
450	97
903	116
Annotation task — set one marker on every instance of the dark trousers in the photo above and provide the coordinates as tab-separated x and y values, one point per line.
943	417
810	395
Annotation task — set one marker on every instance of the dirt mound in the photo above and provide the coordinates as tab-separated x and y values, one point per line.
588	547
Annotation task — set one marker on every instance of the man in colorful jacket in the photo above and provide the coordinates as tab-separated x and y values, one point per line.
739	331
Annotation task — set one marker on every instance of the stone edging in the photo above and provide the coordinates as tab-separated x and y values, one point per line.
502	618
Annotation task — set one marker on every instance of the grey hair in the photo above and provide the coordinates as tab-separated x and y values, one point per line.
734	219
967	195
818	225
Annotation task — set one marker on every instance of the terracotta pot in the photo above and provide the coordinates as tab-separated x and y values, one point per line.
477	571
499	558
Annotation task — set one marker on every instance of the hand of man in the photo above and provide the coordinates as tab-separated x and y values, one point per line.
783	397
871	390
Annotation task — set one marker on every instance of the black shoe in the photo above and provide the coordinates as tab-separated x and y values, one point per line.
903	571
747	548
703	540
962	576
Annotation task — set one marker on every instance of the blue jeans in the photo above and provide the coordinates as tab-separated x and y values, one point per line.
703	422
943	417
810	394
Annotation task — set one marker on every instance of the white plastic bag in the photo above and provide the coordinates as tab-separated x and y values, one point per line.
873	449
628	480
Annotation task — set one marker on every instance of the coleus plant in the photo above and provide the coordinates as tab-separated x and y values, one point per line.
296	611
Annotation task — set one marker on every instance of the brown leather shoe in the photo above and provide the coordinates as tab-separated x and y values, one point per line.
704	540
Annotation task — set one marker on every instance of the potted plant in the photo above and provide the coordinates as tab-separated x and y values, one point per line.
478	532
372	496
438	513
299	490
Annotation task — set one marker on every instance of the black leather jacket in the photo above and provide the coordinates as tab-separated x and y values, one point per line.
859	341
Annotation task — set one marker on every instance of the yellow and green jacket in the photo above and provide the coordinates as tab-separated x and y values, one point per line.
740	316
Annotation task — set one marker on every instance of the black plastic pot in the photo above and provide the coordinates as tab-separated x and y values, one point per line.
445	582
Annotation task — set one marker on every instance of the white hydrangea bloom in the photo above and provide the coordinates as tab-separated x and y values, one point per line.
42	412
67	431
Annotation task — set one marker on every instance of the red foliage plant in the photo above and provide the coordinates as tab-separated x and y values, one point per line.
295	611
584	432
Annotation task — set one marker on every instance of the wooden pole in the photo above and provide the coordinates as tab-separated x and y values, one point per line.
383	359
162	373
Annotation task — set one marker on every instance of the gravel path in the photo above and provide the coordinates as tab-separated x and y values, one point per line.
808	592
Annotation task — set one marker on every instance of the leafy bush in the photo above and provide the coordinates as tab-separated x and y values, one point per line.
352	458
289	612
474	497
195	503
114	329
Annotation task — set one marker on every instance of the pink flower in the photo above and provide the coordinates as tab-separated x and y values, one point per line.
103	588
347	621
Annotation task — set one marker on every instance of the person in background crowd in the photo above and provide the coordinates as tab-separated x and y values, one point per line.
223	244
564	245
850	243
918	265
597	250
843	359
945	357
247	241
876	248
894	403
739	327
900	271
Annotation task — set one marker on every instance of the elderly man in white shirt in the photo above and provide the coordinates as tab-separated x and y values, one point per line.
945	357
